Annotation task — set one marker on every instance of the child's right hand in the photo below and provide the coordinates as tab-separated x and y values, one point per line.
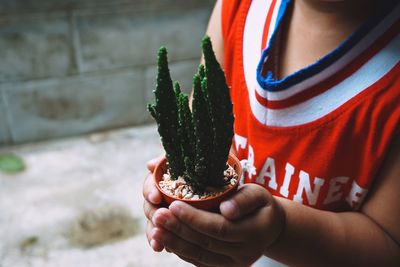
152	200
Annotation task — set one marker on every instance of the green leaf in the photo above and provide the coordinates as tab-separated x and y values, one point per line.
10	163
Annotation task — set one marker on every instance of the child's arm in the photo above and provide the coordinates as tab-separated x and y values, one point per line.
214	30
370	237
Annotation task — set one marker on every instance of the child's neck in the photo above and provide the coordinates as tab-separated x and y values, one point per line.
314	28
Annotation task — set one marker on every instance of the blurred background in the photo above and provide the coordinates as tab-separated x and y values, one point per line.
75	135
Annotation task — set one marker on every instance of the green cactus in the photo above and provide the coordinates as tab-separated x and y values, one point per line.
196	142
165	112
220	108
186	132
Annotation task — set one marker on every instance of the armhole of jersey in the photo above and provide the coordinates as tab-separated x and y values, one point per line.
228	10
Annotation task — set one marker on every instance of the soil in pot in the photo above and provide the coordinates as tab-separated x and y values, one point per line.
210	199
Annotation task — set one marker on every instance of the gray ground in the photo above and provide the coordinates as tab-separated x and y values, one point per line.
79	203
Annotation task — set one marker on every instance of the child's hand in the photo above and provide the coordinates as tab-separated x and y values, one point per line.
152	198
248	224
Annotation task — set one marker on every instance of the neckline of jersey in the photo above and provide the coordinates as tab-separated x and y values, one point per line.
270	84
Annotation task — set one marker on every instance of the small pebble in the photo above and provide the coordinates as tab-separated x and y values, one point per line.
189	195
184	192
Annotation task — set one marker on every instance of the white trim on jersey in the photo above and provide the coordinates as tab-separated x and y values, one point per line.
273	21
252	38
344	60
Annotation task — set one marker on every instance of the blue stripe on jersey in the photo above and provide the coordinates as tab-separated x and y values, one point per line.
270	84
282	8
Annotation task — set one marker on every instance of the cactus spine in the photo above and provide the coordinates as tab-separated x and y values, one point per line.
197	143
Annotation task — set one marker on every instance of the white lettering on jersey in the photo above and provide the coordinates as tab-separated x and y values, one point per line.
268	170
305	185
356	195
251	169
335	192
289	170
240	142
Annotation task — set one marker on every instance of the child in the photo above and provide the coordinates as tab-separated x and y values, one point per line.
316	93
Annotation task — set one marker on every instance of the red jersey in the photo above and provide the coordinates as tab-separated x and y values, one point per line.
320	135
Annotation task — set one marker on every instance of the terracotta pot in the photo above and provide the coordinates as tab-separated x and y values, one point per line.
211	203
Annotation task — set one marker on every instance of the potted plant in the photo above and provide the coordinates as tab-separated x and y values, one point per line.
198	168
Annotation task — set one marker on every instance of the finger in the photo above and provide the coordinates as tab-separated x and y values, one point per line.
149	209
156	246
151	164
211	224
188	250
248	199
165	219
150	191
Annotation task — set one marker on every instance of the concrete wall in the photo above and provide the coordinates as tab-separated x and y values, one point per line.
75	66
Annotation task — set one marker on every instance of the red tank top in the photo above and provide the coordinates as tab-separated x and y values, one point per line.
320	135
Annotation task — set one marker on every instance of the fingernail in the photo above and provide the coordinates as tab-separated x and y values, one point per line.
160	220
153	196
228	208
175	209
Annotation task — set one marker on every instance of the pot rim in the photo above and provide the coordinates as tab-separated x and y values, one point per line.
238	170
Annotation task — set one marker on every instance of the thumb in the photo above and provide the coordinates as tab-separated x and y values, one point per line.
151	164
248	199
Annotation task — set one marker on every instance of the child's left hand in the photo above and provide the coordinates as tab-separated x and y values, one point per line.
249	223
